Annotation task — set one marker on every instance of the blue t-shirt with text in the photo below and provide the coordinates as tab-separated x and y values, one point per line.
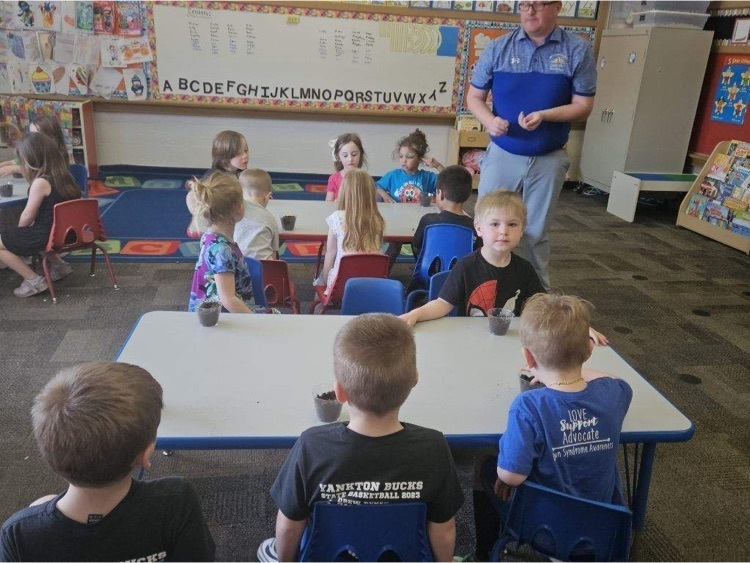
406	188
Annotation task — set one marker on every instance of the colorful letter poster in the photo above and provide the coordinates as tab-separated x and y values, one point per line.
733	92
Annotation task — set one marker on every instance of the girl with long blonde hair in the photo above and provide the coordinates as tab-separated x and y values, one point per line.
355	227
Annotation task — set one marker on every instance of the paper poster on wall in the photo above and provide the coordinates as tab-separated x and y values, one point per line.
732	94
135	84
290	57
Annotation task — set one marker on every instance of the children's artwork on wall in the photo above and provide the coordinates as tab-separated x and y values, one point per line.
31	47
506	7
68	17
733	92
111	55
135	50
65	48
104	16
16	49
129	21
87	50
25	16
135	82
41	79
85	16
4	78
484	6
46	44
50	15
105	81
18	73
76	81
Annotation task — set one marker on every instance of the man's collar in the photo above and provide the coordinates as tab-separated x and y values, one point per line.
556	35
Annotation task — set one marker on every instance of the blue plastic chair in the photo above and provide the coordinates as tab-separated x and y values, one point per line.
444	244
436	284
565	527
369	532
372	295
81	176
256	277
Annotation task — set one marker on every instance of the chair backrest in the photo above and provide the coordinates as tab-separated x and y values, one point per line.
444	244
569	528
81	176
436	284
76	223
256	278
372	295
357	266
277	283
369	532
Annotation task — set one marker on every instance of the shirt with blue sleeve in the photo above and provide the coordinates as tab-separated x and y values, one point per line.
405	187
569	441
526	78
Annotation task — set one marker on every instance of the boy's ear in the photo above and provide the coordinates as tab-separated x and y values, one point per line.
143	459
341	395
529	358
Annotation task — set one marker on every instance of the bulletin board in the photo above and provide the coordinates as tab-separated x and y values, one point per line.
723	107
261	55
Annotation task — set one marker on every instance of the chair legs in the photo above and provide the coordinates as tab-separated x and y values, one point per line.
48	277
94	247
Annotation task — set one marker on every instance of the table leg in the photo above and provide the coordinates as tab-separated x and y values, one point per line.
640	495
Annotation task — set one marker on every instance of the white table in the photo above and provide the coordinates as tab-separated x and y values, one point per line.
20	191
247	383
401	219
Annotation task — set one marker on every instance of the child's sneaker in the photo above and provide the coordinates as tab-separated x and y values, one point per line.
31	287
267	550
60	270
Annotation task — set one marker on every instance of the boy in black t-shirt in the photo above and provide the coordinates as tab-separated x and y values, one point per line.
94	423
492	276
453	189
374	458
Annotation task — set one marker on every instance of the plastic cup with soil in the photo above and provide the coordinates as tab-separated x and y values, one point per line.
6	190
425	199
524	378
208	313
327	408
499	320
288	221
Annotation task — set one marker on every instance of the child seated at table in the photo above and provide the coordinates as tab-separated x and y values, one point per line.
257	233
94	423
565	435
492	276
453	189
375	368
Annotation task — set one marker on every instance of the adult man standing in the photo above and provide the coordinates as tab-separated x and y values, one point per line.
541	78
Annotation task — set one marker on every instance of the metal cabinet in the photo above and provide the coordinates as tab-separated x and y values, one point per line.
648	84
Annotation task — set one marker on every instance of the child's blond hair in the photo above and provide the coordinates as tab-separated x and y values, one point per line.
375	361
91	421
255	181
556	330
363	223
217	199
226	145
500	199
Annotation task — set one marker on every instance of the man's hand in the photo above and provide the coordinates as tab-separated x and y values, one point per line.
498	127
531	121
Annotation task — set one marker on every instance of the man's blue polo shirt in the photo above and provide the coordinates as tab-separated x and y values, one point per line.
527	78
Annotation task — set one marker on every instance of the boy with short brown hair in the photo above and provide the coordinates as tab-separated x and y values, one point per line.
492	276
94	423
257	233
375	369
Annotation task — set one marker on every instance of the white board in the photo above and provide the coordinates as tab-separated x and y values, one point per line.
304	58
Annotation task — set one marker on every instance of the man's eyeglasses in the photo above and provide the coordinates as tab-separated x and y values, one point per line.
538	6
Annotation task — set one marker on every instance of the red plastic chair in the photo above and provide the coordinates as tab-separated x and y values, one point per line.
351	266
76	224
278	285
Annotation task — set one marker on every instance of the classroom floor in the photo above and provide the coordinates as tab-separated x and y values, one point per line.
674	304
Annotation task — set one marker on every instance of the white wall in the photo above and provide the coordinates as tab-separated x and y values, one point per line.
277	145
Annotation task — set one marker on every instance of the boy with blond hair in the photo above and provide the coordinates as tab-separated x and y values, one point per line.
94	423
565	435
492	276
257	233
375	369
